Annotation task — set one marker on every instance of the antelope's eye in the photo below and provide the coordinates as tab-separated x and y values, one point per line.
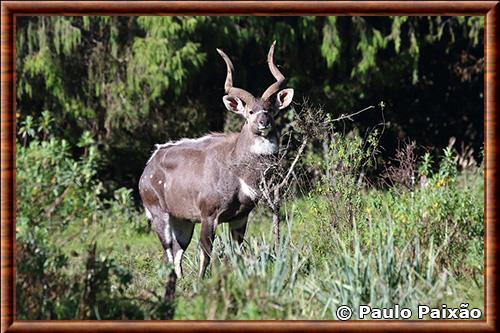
251	111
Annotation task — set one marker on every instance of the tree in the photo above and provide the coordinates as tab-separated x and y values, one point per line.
136	81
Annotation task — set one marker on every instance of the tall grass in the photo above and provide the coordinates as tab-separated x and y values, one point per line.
404	245
291	284
417	241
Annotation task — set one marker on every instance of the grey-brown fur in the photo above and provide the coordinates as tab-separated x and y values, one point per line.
213	179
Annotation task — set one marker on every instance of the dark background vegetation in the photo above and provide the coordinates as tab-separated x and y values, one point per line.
136	81
384	208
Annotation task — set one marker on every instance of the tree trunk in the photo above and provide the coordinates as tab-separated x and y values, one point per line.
276	229
276	218
88	298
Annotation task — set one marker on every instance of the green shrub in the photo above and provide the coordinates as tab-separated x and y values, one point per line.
61	271
82	253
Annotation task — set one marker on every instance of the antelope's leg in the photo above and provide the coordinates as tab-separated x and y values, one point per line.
164	232
238	229
206	241
182	231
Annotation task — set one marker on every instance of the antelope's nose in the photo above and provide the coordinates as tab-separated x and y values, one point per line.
263	122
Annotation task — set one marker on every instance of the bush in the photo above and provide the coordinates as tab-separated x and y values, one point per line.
400	244
84	254
61	271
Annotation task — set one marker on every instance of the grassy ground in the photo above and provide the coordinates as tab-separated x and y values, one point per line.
381	260
342	243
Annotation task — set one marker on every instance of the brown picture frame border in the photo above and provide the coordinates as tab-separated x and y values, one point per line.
11	9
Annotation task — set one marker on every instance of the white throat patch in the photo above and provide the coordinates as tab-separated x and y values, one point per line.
264	146
247	190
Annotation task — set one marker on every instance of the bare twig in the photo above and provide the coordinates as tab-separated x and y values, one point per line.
312	124
50	209
292	166
349	116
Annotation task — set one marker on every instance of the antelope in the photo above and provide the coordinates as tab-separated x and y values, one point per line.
213	179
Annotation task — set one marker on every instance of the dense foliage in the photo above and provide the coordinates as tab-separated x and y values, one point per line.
81	256
136	81
384	209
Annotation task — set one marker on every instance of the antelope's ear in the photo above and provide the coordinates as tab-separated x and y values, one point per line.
234	104
284	98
